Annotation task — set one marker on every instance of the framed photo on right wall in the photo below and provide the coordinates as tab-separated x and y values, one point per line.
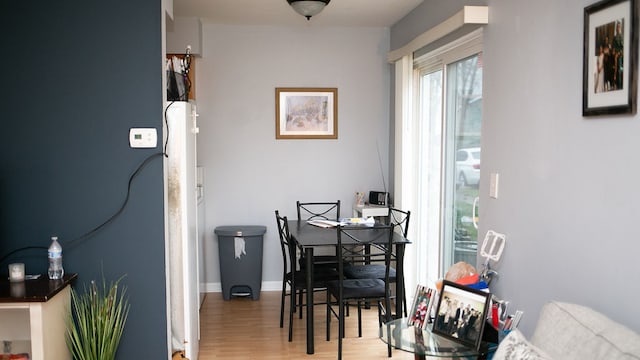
610	58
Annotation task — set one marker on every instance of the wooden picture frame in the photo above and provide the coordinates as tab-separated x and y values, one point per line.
610	58
461	314
306	113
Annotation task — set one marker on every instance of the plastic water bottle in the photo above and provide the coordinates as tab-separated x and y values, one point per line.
55	259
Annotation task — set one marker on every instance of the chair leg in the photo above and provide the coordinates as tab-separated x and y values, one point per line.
389	340
328	316
284	289
300	303
359	320
292	307
341	305
404	300
387	320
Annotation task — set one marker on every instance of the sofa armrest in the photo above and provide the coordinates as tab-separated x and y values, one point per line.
569	331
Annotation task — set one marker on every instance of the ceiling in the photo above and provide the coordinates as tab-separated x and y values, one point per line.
361	13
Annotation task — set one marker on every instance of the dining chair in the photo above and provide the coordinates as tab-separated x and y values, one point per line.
322	210
345	291
370	270
294	278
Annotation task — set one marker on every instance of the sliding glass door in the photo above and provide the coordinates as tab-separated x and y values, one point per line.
463	120
447	145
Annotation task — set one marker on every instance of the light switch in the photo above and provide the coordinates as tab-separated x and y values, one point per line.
493	185
143	137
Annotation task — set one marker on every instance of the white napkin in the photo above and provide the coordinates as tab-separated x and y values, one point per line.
238	244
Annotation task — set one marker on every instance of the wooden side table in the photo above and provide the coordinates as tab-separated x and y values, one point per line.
36	311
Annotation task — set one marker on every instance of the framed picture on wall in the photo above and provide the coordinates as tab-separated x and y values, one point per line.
610	58
306	113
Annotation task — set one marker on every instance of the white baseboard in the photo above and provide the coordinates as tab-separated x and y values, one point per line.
216	287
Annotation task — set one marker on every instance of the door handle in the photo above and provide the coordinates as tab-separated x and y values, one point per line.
474	212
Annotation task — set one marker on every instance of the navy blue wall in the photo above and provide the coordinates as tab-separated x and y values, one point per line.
76	75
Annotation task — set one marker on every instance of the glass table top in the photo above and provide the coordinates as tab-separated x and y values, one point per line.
424	343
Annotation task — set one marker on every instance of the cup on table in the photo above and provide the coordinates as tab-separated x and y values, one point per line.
17	289
16	272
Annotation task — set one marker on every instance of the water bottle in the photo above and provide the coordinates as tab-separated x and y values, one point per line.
55	259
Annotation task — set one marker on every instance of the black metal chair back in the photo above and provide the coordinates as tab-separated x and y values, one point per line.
288	271
400	219
375	269
286	243
318	210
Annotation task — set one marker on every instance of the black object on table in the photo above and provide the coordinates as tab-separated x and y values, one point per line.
36	290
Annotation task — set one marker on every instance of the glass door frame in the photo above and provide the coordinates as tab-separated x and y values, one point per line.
429	250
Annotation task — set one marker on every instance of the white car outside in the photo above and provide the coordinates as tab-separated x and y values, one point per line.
468	166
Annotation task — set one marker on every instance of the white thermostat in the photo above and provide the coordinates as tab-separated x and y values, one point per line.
143	137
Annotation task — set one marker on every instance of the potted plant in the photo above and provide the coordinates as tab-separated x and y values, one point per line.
96	321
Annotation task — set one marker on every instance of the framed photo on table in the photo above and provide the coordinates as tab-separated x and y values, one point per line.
421	308
306	113
610	58
461	314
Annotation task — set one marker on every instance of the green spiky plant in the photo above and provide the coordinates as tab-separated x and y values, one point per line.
96	321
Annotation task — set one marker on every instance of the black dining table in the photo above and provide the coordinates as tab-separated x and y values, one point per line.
310	237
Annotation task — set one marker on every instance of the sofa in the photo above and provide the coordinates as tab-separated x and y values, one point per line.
567	331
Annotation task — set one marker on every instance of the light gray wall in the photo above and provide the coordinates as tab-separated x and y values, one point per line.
567	201
249	173
425	16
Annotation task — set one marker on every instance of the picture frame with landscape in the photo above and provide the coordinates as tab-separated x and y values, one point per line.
306	113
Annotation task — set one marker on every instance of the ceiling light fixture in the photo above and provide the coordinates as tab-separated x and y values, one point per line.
308	8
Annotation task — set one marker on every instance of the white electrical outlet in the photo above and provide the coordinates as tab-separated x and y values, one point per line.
143	137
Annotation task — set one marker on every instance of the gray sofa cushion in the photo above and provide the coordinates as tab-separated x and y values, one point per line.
569	331
516	347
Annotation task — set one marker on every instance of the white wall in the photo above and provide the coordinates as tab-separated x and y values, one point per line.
567	202
249	173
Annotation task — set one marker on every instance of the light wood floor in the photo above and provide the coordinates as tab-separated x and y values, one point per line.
246	329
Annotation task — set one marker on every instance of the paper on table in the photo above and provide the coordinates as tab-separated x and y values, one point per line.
370	221
324	223
358	221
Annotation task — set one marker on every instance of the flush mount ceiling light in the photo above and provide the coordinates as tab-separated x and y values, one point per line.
308	8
